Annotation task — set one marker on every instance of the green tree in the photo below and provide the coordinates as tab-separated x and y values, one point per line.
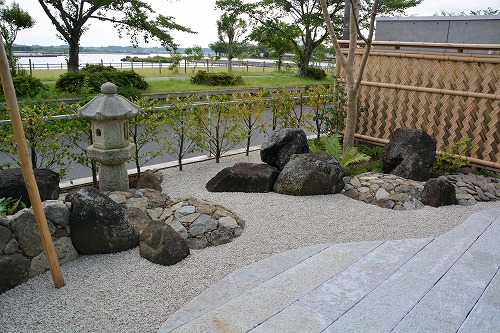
12	20
278	43
46	138
219	125
307	16
251	111
229	28
353	74
193	54
145	128
180	119
175	58
219	47
131	17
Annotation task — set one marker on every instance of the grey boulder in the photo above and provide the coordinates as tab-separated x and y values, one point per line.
14	270
244	177
98	224
410	154
282	144
162	245
12	184
311	174
439	192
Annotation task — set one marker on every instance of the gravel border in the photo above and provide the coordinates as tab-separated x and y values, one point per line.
124	293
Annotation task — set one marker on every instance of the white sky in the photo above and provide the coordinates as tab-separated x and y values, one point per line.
199	15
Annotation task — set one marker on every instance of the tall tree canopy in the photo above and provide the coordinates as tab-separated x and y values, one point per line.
13	19
306	15
278	43
229	28
70	17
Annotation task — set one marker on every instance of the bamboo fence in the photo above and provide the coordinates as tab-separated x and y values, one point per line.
451	91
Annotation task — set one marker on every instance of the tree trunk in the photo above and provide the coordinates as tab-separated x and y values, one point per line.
229	56
181	148
304	62
352	115
11	59
94	174
73	61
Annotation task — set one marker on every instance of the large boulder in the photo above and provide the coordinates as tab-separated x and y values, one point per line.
98	224
14	270
162	245
310	174
409	154
12	184
281	145
439	192
244	177
149	179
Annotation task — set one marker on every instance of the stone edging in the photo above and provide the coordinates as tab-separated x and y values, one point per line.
393	192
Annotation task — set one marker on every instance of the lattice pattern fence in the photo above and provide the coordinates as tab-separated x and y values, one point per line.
451	96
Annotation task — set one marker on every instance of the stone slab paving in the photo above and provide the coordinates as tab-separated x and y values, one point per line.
447	284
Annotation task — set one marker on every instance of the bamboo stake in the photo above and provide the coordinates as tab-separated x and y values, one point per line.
28	175
431	90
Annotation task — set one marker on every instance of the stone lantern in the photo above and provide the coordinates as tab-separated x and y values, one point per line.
109	114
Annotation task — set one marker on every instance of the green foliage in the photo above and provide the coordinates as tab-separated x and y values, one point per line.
175	58
282	104
314	73
79	134
219	125
181	122
332	144
217	79
450	160
146	128
131	17
319	98
26	86
12	20
90	79
9	206
251	111
332	118
45	137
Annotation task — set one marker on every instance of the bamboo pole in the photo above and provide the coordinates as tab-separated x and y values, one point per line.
431	90
456	57
28	175
429	45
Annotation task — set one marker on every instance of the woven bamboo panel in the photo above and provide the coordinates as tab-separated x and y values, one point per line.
447	118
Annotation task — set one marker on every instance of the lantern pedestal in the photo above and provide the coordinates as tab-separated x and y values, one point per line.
112	170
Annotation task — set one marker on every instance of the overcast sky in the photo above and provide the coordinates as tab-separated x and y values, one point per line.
199	15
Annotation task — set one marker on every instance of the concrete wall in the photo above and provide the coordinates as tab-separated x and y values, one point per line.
483	29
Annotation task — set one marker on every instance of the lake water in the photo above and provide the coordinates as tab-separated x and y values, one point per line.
85	58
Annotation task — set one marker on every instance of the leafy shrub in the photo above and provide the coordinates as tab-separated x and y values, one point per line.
9	206
450	160
315	73
216	79
26	86
89	80
332	144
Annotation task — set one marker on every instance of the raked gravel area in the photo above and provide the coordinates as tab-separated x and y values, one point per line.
124	293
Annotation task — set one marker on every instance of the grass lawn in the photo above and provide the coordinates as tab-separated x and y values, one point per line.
254	77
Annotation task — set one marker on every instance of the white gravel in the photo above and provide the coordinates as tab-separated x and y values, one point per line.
124	293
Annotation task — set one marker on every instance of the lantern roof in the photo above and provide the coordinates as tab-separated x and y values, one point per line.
108	106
